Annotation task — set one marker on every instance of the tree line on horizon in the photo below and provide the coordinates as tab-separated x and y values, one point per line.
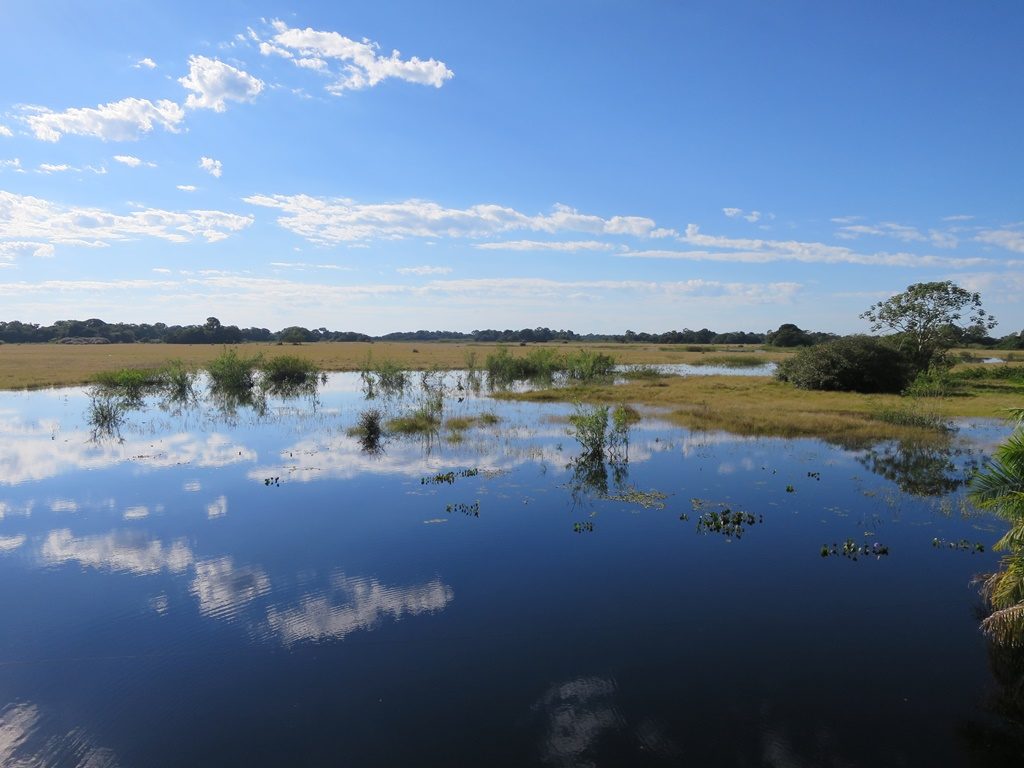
214	332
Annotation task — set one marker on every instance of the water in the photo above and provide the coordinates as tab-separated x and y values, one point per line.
230	588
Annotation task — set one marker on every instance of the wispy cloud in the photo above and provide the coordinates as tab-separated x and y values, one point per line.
146	63
132	162
1010	239
5	131
546	245
424	270
186	187
26	218
336	220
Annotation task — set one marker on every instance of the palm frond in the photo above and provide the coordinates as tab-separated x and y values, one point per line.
1006	626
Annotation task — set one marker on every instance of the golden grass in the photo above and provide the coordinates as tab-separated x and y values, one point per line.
759	405
49	365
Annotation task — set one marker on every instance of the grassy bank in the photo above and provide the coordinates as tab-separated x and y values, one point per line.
50	365
762	406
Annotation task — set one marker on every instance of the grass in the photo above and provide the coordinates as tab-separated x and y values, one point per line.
756	405
543	363
232	373
748	360
912	416
31	366
462	423
369	430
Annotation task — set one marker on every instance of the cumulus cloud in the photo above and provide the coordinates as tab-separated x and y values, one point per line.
146	63
12	249
211	166
26	218
753	216
123	120
424	270
213	83
353	65
5	131
335	220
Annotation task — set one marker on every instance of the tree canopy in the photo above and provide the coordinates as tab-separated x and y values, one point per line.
929	318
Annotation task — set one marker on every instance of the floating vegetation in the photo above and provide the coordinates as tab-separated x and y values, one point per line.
646	499
814	475
963	545
448	477
585	527
276	481
730	523
851	550
790	489
471	510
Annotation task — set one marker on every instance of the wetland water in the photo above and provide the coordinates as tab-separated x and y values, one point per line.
230	588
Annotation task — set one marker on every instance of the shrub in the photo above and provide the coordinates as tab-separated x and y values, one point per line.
935	382
851	364
368	430
585	365
231	373
289	370
589	428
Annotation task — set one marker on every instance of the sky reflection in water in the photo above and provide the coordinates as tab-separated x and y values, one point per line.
265	585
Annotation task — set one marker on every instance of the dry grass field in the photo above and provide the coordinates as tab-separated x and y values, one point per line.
49	365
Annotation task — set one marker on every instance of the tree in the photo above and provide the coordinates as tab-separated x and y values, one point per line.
929	318
789	335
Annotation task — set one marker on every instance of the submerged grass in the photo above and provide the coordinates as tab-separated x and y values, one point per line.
748	360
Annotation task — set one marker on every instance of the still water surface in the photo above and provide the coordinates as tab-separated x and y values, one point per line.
240	589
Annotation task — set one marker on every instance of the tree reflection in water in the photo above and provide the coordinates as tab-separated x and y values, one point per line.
932	468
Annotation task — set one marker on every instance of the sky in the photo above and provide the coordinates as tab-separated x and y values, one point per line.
583	164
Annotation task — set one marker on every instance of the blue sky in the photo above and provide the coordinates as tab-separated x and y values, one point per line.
581	164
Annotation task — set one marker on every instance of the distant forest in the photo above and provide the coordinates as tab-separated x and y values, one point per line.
97	331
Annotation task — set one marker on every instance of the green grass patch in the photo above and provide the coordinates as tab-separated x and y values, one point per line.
731	361
289	371
233	374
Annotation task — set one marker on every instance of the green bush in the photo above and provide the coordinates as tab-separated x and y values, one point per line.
589	427
289	370
232	374
850	364
935	382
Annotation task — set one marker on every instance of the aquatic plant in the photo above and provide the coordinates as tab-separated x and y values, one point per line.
178	382
851	550
386	378
233	374
369	430
999	488
589	427
731	523
105	414
963	545
470	510
448	477
289	371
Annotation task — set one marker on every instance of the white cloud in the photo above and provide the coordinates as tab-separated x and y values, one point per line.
213	83
54	168
218	507
211	166
758	251
356	65
883	229
222	588
305	265
14	163
26	218
186	187
753	216
132	162
117	121
335	220
5	131
1010	239
146	63
545	245
958	217
12	249
424	270
732	213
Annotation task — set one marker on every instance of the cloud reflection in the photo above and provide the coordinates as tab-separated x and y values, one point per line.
127	551
577	714
222	589
352	604
24	744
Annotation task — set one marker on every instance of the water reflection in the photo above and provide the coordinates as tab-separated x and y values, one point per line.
10	543
222	589
352	604
1001	741
25	743
921	469
127	551
576	715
